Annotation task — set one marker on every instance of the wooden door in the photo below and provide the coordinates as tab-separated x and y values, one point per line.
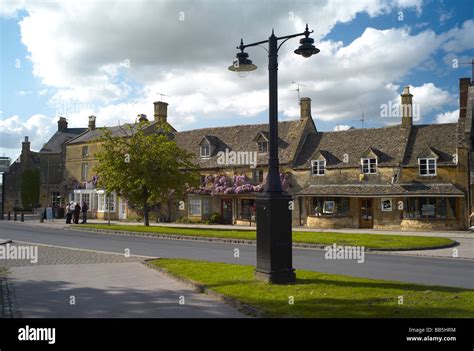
226	211
366	213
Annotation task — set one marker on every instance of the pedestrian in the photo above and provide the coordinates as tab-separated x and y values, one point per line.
69	212
77	212
49	213
84	212
471	216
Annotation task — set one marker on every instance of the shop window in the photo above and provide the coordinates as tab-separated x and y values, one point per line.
206	206
429	208
247	209
194	207
330	206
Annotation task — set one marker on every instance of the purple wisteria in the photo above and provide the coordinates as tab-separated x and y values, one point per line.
238	184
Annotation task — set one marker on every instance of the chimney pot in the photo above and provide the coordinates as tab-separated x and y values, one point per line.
161	111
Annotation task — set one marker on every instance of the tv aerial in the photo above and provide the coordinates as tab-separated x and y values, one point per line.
298	85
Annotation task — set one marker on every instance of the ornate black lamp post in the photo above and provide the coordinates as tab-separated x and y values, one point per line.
274	243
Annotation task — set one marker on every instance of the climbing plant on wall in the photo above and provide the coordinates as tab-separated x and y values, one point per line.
30	188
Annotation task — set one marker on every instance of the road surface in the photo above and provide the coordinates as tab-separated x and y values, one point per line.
422	270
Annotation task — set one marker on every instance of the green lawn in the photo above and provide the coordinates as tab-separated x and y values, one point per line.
372	241
326	295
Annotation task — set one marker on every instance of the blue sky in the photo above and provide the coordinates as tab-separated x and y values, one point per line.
111	60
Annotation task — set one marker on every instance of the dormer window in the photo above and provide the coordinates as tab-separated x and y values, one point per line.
262	141
262	147
205	150
427	166
318	167
369	165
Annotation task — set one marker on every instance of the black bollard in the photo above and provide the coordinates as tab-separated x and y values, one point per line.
9	216
22	217
15	216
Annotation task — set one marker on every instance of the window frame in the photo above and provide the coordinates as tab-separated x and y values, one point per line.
318	168
262	150
256	176
85	151
427	167
205	146
370	166
190	207
84	174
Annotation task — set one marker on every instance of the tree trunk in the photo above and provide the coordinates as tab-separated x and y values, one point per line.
146	210
170	204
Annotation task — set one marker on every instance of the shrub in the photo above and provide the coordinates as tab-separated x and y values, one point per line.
215	218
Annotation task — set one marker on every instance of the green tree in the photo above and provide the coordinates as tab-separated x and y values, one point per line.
144	165
30	188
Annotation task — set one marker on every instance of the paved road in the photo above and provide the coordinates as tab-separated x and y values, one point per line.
72	283
423	270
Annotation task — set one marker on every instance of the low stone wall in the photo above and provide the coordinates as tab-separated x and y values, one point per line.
326	222
244	222
430	224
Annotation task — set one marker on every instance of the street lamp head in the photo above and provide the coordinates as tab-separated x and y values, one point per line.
242	63
306	48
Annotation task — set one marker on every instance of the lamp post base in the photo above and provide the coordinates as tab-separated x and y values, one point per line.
276	277
274	244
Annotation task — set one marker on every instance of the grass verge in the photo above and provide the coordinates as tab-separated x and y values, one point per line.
370	241
320	295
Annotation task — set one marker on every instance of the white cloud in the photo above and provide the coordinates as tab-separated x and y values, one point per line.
71	51
430	97
111	58
448	117
341	127
426	98
13	129
459	39
24	92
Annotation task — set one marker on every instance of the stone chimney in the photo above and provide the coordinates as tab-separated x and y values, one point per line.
464	84
161	111
62	124
305	107
92	119
407	108
25	150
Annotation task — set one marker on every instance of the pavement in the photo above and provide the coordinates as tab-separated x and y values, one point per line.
468	234
441	271
76	283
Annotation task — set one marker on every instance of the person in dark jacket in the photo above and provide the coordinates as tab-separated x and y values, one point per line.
69	212
84	210
77	212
